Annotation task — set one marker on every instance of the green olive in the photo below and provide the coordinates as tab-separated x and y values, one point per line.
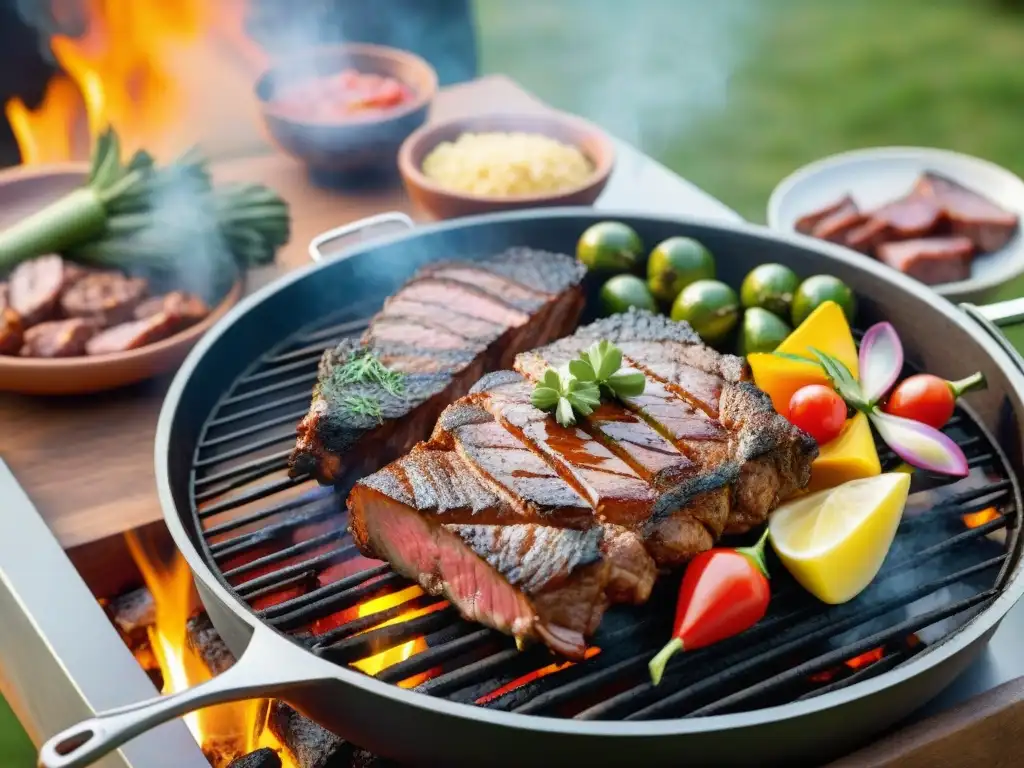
815	291
674	264
771	287
624	291
610	246
763	331
711	307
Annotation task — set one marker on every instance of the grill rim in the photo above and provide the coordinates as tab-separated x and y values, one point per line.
984	622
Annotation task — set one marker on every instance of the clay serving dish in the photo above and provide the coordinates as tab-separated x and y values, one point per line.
444	203
357	144
25	189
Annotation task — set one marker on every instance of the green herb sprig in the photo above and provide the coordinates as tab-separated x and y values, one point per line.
364	367
577	391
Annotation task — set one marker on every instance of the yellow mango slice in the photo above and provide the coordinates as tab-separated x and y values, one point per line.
826	330
850	456
780	377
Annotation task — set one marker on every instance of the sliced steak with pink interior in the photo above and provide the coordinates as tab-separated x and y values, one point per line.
437	335
437	521
512	494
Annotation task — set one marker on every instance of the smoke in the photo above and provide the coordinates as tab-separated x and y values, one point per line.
647	71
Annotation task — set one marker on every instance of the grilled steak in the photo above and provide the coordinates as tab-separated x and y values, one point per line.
442	330
501	492
837	224
970	214
932	260
806	224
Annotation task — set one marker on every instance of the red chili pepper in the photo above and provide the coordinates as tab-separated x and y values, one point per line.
929	399
723	593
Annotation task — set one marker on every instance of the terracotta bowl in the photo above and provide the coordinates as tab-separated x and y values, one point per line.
358	144
25	189
444	203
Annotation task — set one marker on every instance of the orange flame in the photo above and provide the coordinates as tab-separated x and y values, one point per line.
135	68
373	665
977	519
232	725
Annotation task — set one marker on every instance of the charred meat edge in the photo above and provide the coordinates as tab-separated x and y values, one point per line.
435	377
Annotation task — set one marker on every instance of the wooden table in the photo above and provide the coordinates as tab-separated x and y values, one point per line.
87	462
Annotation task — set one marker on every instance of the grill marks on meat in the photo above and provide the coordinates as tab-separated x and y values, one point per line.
501	492
443	329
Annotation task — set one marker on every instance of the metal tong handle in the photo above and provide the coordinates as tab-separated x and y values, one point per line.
355	227
259	673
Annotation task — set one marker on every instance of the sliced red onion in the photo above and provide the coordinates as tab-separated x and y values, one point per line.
881	360
920	445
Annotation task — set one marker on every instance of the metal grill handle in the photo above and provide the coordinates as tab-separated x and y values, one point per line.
993	317
355	228
259	673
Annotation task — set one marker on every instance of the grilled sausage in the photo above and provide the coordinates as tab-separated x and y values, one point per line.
58	338
188	309
109	298
11	331
132	335
35	288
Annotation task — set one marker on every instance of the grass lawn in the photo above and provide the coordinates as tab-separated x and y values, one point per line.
735	94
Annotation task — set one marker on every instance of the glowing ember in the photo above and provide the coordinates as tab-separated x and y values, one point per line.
977	519
373	665
869	657
519	682
136	67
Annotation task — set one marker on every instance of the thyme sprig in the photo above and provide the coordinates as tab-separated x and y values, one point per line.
364	367
578	390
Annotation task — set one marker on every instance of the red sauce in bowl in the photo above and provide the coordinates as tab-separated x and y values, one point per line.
346	94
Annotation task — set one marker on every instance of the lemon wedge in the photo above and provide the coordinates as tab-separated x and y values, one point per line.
834	541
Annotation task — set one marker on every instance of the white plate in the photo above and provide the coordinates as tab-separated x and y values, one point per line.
876	176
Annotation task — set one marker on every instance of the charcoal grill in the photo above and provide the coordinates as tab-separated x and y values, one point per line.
283	582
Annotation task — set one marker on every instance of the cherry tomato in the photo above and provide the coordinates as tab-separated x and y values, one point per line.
818	411
923	398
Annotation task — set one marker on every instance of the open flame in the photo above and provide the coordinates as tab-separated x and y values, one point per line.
375	664
136	68
226	731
